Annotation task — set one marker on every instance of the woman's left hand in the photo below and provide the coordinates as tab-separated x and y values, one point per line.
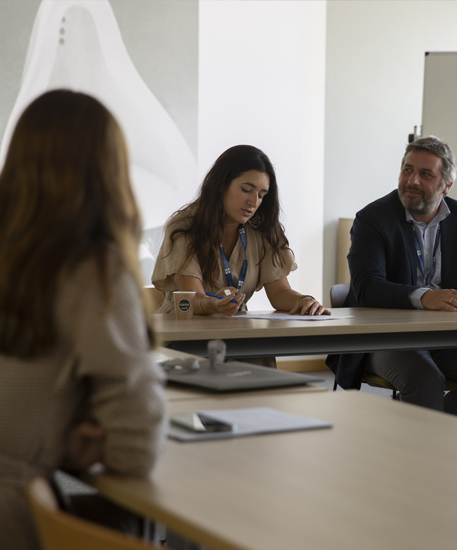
309	306
282	297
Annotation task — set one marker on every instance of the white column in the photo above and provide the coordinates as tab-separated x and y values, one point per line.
262	82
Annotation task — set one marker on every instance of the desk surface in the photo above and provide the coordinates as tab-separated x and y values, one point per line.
368	329
382	477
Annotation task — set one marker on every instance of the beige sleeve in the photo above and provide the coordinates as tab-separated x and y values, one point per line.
270	272
126	394
170	260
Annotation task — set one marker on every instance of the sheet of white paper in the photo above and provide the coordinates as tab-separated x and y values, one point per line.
252	421
287	317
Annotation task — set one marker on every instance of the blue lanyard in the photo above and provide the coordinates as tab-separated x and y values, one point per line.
244	267
429	276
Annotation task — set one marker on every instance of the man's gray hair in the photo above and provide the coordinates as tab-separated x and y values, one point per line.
439	148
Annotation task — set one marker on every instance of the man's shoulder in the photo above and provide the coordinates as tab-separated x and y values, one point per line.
387	205
452	204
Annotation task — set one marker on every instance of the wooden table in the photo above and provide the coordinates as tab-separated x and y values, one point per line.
382	478
368	329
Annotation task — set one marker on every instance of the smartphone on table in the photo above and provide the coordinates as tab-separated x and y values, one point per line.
200	422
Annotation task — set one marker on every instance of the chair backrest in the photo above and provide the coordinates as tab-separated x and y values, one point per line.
338	294
155	297
59	530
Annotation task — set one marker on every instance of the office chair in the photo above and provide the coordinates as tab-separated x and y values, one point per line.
155	297
338	295
58	529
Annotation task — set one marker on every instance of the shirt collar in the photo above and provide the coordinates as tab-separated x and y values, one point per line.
443	212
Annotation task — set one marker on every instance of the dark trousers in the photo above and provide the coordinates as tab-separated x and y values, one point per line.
419	375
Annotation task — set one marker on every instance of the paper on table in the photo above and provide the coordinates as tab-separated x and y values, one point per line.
252	421
287	317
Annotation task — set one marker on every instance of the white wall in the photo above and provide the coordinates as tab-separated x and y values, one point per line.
141	59
374	82
261	82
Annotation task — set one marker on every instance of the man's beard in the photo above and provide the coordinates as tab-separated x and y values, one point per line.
422	208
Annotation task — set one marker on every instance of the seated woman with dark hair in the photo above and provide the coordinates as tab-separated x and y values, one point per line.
230	238
77	381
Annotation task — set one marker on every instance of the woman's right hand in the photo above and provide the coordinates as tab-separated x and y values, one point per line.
85	446
226	306
207	305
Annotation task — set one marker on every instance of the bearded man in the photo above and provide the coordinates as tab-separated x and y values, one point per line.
404	255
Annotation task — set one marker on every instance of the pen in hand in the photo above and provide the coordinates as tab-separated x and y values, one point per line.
219	297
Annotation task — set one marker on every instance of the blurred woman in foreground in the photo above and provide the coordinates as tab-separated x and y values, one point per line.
77	382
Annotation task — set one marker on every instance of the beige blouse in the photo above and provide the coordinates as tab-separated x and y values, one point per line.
258	273
101	364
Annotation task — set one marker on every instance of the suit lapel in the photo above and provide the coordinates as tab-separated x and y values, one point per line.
408	239
448	251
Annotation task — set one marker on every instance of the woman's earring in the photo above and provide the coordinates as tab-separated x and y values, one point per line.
255	220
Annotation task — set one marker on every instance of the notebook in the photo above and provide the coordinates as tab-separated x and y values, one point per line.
236	376
252	421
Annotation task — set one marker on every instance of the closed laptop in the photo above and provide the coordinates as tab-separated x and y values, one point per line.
236	376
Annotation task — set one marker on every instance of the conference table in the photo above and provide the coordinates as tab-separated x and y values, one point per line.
382	477
366	330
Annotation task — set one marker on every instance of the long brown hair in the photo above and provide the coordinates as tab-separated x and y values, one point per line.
202	220
65	196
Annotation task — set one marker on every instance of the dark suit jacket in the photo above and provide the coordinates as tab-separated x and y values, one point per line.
383	266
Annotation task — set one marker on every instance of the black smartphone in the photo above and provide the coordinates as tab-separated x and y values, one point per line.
200	422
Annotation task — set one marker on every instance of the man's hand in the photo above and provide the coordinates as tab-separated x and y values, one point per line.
440	300
84	446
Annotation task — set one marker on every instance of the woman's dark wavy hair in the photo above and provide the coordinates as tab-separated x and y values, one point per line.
203	224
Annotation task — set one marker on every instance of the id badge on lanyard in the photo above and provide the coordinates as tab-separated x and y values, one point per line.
244	267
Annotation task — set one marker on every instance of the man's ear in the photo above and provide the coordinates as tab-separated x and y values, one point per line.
447	187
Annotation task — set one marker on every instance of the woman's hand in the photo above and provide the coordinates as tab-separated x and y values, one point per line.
84	446
283	298
309	306
207	305
225	306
